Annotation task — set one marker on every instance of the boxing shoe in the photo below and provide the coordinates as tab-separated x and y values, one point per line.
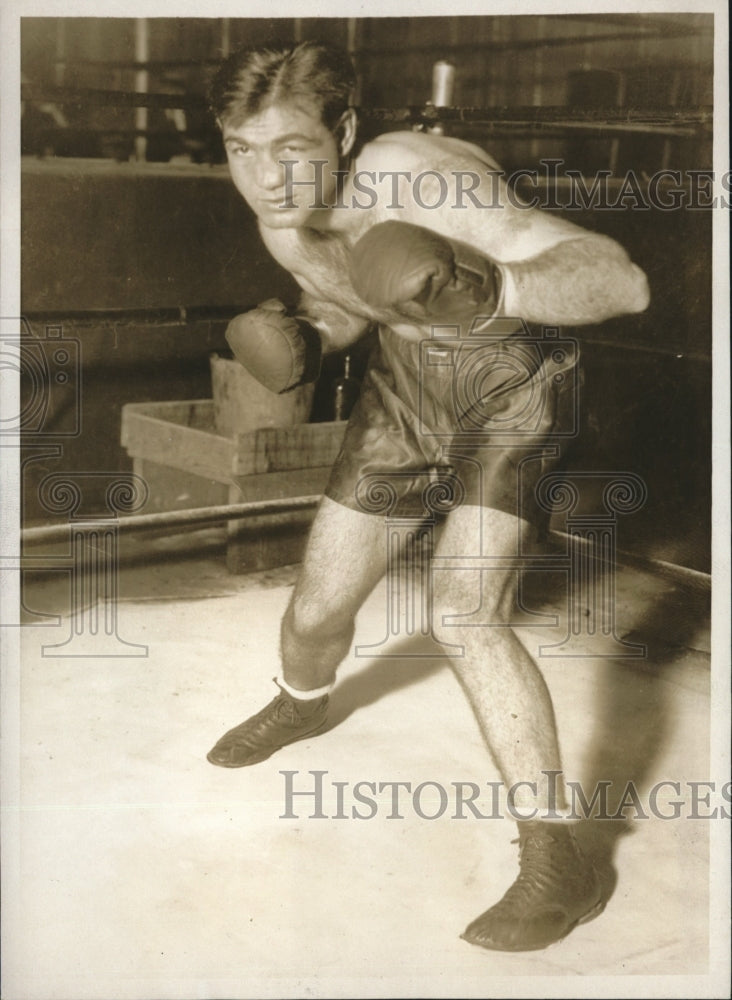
557	888
283	721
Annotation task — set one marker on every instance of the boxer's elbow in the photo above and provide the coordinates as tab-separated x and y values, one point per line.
622	290
638	292
578	282
626	285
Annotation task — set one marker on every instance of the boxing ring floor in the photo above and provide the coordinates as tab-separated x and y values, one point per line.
143	871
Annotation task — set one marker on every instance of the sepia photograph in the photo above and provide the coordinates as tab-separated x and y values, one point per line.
364	439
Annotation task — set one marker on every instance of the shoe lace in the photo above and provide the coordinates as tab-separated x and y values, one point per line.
538	872
284	707
251	729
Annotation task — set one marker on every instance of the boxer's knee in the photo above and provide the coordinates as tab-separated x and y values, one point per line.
311	623
470	605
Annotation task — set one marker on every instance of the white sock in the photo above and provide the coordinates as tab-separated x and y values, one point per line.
304	695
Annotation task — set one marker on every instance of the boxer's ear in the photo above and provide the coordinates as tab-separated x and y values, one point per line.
345	131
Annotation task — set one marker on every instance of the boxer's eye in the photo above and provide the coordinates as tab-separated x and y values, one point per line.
237	149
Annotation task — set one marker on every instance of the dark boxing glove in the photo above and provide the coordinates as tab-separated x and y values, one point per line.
279	350
422	274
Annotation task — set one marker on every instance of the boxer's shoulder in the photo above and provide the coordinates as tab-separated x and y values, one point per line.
402	151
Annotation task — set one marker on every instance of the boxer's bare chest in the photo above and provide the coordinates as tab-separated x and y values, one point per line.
319	261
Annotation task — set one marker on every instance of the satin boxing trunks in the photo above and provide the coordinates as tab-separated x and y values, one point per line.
443	422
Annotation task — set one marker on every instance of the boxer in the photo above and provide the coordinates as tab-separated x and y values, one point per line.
368	245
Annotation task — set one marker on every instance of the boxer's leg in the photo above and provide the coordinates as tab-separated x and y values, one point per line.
344	560
557	886
504	685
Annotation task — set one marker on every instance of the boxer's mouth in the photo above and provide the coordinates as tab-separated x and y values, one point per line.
280	201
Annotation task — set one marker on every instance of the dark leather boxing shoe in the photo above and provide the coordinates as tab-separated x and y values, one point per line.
557	888
285	720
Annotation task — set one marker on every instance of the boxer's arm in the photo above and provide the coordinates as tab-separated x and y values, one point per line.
338	328
581	280
553	270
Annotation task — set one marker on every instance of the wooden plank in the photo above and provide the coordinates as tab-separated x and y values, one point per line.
197	413
181	434
266	542
176	444
276	485
261	543
278	449
180	459
174	489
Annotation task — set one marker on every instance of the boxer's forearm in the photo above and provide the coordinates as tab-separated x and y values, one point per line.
577	282
338	328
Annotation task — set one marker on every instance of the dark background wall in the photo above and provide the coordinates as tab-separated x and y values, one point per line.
140	263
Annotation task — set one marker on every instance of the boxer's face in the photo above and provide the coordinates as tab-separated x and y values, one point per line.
256	148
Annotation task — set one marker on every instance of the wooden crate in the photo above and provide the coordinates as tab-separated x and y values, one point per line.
175	448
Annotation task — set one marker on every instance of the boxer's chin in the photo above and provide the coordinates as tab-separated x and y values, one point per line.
274	217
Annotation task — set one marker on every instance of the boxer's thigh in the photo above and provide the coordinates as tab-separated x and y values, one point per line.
344	559
469	534
515	431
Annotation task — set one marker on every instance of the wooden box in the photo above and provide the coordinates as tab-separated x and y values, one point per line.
186	463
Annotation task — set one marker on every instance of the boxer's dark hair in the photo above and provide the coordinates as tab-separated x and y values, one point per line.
310	73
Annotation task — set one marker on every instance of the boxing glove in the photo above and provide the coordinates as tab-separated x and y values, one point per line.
422	274
279	350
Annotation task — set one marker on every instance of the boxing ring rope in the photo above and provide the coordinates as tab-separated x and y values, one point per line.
93	562
190	517
198	516
661	121
665	120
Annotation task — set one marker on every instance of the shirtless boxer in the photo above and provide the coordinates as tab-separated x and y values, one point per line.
367	245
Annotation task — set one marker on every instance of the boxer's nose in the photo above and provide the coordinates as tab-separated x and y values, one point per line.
269	173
